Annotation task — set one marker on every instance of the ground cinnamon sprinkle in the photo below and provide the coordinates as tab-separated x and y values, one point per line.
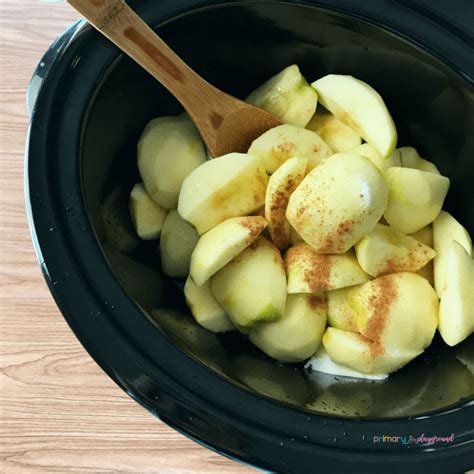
278	225
385	291
317	268
316	301
334	242
254	224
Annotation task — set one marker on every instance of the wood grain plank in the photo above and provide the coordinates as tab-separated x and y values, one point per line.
59	411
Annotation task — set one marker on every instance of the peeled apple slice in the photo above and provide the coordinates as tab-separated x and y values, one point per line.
287	96
310	272
335	133
341	314
415	198
178	239
252	287
168	150
205	309
383	164
221	244
281	143
411	159
361	108
229	186
297	334
385	250
456	310
281	185
446	229
147	216
399	311
425	236
338	202
362	355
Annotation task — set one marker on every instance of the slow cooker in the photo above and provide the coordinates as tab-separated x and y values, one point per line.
88	106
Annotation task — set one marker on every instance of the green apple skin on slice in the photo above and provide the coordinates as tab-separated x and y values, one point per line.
456	310
341	315
383	164
363	355
168	150
446	229
287	96
147	216
415	198
178	239
361	108
281	143
221	244
310	272
338	202
386	250
252	287
297	334
335	133
205	309
411	159
398	311
425	236
232	185
281	185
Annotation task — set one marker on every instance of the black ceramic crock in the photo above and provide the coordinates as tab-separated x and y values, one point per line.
88	106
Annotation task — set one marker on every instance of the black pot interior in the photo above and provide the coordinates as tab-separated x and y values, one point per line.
236	47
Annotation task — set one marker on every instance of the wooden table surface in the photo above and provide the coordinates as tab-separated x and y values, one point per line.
59	411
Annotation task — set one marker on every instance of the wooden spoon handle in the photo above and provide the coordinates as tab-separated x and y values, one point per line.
118	22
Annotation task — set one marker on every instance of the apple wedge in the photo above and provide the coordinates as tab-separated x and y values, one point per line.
446	229
383	164
178	239
425	236
338	202
168	150
229	186
398	311
335	133
456	310
281	185
341	314
205	309
297	334
385	250
310	272
363	355
415	198
221	244
361	108
411	159
281	143
287	96
147	216
252	287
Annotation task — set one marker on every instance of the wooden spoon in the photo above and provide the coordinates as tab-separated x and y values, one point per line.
226	124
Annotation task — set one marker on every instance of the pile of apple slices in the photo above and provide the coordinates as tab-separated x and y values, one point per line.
323	232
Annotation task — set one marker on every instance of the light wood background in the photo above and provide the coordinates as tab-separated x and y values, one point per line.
59	411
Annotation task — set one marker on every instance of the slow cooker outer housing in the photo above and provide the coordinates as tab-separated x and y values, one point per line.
160	376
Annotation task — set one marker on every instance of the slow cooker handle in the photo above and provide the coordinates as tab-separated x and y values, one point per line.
51	56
